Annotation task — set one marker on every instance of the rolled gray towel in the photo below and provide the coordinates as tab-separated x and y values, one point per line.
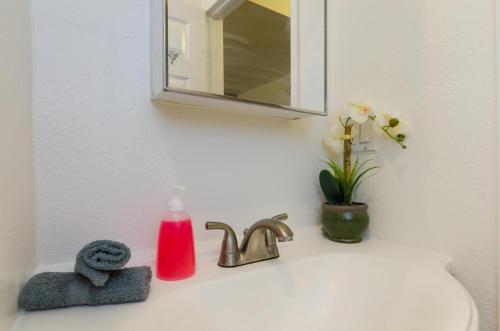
97	259
51	290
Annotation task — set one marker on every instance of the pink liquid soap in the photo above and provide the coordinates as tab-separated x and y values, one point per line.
176	257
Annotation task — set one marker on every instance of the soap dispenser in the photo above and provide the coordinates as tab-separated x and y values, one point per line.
175	256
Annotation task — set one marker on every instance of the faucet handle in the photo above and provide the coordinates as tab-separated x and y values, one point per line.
217	226
229	243
229	253
281	217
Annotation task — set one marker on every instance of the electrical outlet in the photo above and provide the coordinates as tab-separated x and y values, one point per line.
363	142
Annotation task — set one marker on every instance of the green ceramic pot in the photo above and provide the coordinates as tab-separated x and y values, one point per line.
345	223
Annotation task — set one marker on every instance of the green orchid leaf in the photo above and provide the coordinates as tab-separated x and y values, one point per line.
330	187
346	185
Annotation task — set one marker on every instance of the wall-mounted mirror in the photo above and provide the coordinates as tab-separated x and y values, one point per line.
266	55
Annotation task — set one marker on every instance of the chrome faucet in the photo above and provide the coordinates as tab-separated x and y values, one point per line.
259	241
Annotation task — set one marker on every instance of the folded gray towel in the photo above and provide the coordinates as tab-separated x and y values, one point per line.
97	259
50	290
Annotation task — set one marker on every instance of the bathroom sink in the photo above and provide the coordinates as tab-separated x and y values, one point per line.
315	285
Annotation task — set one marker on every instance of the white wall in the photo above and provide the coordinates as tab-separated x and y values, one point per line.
435	60
17	184
106	157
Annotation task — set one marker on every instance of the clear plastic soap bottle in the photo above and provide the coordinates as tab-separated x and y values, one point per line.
175	256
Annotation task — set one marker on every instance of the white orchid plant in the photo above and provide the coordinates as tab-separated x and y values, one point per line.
339	183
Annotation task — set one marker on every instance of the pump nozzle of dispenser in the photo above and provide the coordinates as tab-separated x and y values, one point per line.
176	204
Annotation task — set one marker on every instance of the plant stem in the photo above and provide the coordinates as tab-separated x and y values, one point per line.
386	130
347	150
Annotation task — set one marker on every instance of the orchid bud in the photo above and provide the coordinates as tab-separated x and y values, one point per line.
393	122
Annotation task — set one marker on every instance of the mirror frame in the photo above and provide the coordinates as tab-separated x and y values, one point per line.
161	91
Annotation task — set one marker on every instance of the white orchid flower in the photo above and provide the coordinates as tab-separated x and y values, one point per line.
359	112
333	146
333	140
361	108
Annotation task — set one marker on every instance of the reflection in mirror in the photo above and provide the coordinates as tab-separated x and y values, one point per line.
257	61
265	51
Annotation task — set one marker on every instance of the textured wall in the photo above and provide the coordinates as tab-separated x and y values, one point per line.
17	184
435	60
105	156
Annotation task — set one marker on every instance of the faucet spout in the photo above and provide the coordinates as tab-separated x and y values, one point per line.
279	229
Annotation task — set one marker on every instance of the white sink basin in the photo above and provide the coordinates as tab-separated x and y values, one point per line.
315	285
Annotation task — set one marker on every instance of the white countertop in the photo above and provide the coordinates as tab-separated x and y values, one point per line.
307	244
